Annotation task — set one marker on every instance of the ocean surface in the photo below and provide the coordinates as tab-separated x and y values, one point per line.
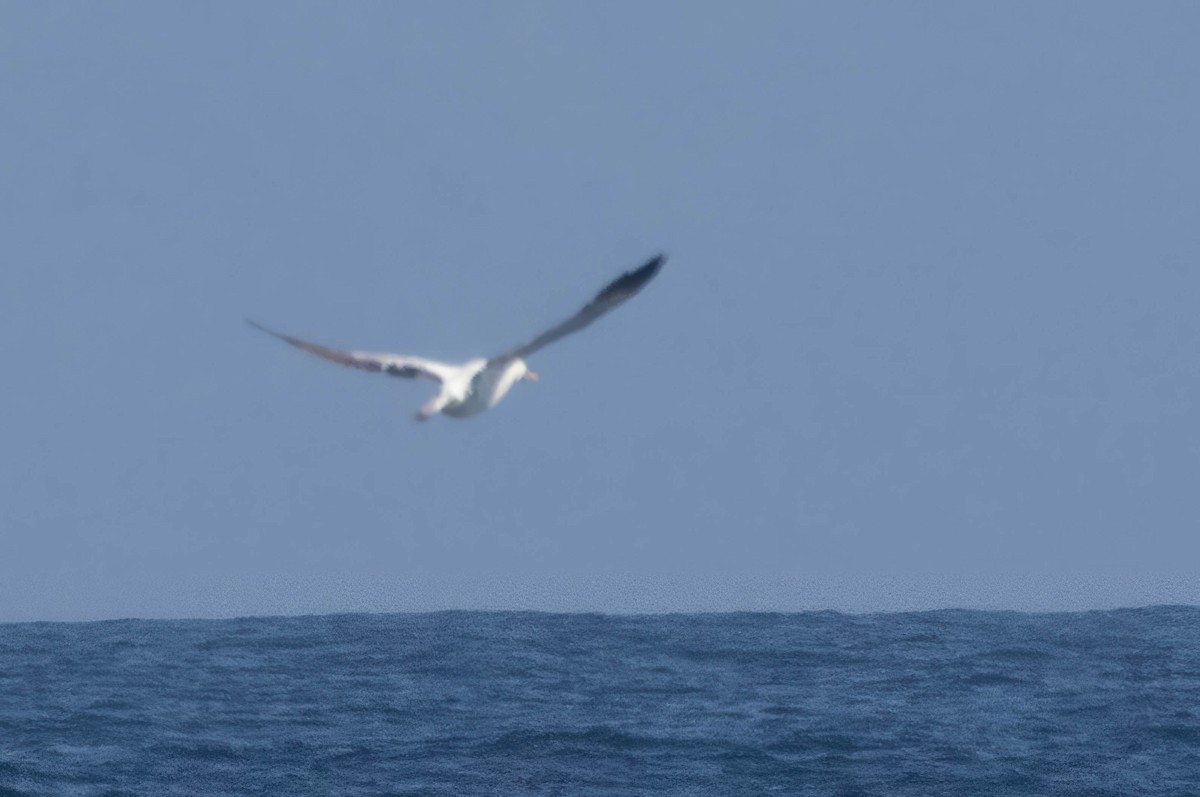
459	703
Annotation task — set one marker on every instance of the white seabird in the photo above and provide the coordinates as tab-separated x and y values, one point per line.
480	384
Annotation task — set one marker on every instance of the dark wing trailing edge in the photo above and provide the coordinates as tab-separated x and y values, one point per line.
616	293
393	364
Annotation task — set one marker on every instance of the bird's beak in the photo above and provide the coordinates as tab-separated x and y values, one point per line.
531	376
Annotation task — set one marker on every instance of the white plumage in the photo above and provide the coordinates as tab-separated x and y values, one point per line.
477	385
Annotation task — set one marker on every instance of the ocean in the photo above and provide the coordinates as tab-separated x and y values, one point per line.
461	703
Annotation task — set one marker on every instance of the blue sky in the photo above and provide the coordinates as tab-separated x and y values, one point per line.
927	336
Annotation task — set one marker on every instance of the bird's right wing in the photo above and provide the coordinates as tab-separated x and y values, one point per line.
393	364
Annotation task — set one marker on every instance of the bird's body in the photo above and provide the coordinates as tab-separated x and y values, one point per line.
480	384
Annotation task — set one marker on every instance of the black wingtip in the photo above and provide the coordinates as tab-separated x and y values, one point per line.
633	281
271	332
648	270
261	328
654	264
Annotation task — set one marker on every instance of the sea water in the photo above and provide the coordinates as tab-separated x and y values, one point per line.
460	703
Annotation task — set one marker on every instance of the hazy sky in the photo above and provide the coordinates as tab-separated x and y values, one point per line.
928	335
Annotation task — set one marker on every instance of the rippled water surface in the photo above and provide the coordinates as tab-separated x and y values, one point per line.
1097	703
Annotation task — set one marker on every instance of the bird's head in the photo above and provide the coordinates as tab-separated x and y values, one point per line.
526	374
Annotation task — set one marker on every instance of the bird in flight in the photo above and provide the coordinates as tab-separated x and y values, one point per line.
479	384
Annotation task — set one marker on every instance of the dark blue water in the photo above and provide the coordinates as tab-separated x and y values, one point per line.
962	703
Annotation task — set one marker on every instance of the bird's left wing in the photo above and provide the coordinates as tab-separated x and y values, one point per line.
393	364
616	293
